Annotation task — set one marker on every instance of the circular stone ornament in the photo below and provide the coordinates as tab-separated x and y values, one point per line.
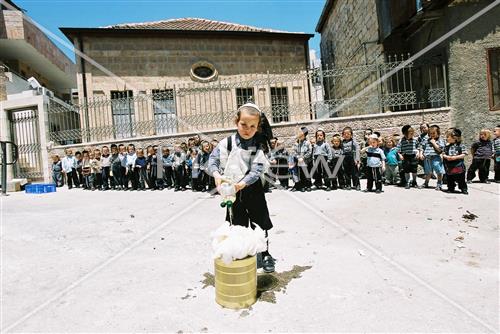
203	71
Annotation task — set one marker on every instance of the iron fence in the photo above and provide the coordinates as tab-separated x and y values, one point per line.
293	96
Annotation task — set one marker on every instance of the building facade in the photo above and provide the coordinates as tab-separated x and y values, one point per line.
26	53
177	75
461	72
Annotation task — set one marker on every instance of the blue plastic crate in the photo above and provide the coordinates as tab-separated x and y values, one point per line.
40	188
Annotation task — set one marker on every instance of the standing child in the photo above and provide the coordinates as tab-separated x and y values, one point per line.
322	156
123	168
140	172
168	173
78	156
375	162
453	154
95	162
301	158
116	165
203	157
194	165
179	167
336	164
279	161
69	164
152	167
245	151
408	149
57	171
391	156
130	165
351	159
106	168
481	151
496	147
431	148
86	170
97	169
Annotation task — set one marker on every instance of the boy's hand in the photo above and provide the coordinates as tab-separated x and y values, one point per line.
240	185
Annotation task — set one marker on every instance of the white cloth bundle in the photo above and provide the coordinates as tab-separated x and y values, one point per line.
233	242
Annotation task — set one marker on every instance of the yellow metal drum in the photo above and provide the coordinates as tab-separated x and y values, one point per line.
236	283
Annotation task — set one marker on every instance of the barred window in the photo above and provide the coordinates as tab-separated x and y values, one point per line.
244	95
122	106
279	104
494	78
164	111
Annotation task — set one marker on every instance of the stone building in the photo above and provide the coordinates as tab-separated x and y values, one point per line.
170	76
462	71
26	52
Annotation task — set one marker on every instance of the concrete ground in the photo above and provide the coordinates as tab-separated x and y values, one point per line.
404	260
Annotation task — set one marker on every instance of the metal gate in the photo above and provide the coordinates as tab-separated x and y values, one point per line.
25	133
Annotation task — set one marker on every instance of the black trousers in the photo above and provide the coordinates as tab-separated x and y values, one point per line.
141	178
320	174
453	179
152	179
168	176
105	177
117	177
483	165
72	177
350	171
124	177
337	179
374	175
131	177
250	206
179	176
497	171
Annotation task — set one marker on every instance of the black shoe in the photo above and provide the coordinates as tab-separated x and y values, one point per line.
378	191
465	192
268	264
308	189
302	189
177	189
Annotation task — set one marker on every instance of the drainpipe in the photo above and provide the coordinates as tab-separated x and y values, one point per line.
85	94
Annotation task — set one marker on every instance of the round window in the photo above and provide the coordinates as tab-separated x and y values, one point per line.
203	72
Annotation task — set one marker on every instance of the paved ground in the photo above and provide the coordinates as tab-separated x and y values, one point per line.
76	261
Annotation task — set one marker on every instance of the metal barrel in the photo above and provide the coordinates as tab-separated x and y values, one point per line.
236	283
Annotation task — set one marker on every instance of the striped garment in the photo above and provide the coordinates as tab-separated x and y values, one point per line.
408	146
428	149
496	146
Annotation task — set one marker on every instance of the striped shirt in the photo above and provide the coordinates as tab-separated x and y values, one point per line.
496	146
375	156
351	149
428	149
407	146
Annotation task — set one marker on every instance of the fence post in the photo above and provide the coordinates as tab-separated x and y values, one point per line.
445	84
379	89
221	105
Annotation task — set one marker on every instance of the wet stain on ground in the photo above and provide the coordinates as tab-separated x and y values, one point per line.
209	280
267	284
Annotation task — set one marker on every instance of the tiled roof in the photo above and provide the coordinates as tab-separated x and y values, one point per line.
192	24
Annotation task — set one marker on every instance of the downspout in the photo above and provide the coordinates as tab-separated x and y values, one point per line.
85	94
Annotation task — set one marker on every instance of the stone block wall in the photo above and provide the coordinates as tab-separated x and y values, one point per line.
350	38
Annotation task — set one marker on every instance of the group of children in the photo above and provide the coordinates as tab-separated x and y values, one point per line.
121	167
309	164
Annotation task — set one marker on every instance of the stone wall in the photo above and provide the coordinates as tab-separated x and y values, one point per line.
350	38
3	83
386	124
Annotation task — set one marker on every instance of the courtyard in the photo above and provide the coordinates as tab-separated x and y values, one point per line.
406	260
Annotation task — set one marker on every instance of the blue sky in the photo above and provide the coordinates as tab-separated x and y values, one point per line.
289	15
